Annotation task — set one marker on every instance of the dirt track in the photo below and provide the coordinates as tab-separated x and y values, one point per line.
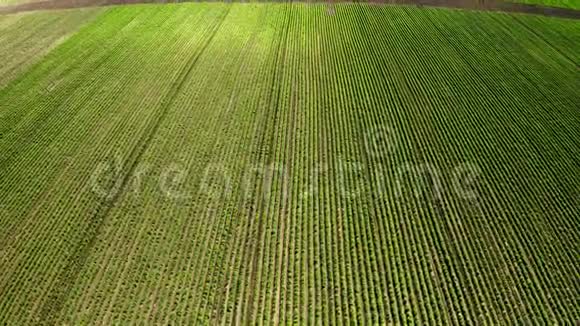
486	5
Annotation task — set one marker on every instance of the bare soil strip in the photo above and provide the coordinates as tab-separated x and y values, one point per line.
484	5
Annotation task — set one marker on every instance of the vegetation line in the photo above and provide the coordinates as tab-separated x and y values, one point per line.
531	30
66	278
259	212
490	5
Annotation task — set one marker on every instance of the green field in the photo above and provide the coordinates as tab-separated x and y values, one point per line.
571	4
290	164
27	37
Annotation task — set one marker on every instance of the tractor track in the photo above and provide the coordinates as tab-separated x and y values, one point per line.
69	274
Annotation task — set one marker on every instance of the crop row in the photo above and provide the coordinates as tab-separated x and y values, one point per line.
294	163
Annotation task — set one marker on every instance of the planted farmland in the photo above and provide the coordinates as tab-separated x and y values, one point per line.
294	163
572	4
27	37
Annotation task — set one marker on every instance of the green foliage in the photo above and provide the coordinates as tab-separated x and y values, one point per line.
292	163
27	37
572	4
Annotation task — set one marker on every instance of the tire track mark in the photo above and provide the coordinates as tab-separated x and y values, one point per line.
69	274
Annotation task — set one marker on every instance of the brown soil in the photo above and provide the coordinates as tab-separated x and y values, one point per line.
486	5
